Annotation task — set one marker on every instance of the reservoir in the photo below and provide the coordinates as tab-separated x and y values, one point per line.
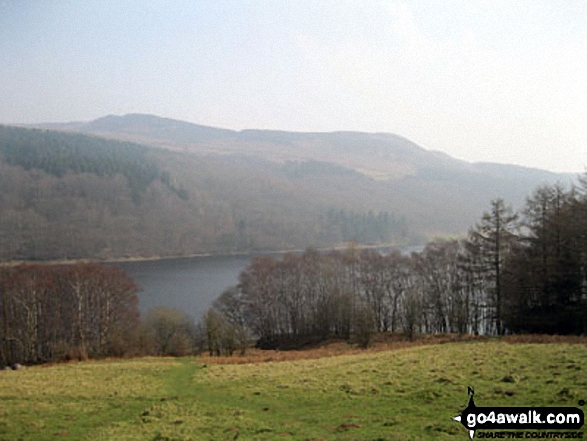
191	284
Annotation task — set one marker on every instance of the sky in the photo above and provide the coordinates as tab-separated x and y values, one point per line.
498	81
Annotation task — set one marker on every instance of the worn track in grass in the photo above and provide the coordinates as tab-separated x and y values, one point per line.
407	394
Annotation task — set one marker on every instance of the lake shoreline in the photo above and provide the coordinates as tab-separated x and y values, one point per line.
114	260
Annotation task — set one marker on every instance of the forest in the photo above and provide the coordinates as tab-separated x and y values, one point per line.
513	273
196	190
72	196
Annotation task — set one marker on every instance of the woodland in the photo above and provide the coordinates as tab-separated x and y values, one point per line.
514	273
140	186
72	196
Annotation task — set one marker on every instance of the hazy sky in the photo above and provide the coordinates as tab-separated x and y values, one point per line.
501	81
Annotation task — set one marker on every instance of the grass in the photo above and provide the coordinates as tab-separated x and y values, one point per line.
405	394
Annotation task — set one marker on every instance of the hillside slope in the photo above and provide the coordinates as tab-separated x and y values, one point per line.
72	196
208	190
383	156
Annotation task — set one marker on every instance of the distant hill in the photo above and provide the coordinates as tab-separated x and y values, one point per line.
382	156
164	187
68	195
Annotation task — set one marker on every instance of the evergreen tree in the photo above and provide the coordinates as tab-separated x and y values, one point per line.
495	236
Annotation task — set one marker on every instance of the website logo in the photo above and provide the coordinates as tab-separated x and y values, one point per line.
475	418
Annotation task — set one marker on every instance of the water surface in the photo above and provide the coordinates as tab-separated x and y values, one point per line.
189	284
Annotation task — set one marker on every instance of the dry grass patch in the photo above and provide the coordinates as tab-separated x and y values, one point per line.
333	348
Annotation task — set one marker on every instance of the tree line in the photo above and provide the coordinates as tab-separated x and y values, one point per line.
367	227
513	273
55	312
72	196
75	311
58	154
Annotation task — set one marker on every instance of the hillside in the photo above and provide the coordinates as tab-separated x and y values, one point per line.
196	189
68	195
410	393
383	156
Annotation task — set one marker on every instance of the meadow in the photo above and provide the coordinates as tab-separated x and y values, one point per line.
404	393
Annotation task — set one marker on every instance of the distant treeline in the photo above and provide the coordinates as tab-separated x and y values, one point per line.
72	196
61	153
367	228
514	273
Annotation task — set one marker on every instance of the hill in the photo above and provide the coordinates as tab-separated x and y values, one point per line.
382	156
67	195
410	393
182	188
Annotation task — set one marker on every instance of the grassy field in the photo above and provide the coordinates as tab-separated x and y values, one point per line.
403	394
